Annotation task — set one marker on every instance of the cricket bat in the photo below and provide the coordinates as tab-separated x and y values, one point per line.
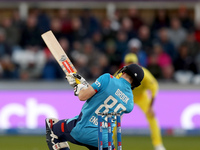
58	53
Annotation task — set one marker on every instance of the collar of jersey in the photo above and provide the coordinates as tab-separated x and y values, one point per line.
125	81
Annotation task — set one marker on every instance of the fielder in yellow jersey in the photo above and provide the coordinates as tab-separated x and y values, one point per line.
145	101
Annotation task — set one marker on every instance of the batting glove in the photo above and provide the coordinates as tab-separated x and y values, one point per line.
81	79
78	88
71	79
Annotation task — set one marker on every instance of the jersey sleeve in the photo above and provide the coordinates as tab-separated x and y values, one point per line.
102	82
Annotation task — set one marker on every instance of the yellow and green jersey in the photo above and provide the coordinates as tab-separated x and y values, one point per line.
148	83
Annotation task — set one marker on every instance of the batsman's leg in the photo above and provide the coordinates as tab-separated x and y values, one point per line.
52	139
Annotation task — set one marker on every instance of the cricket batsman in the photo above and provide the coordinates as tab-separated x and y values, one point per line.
145	102
106	95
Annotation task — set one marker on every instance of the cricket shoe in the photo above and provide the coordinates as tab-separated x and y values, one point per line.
51	138
159	147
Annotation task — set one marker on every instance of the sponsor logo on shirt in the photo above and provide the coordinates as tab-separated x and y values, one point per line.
97	83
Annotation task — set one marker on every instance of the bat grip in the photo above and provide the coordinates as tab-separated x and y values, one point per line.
77	81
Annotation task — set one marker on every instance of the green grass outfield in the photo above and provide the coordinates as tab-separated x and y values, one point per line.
128	143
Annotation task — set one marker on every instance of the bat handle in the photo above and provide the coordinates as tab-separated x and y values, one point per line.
77	81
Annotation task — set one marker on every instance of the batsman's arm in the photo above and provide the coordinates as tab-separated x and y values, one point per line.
92	89
86	93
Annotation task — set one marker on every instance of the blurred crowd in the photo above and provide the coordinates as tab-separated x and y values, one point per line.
169	47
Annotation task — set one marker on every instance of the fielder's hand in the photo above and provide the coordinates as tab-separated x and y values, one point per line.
78	88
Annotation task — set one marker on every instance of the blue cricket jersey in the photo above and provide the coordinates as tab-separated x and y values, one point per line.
112	95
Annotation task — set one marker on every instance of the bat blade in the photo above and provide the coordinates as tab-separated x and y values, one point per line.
58	52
